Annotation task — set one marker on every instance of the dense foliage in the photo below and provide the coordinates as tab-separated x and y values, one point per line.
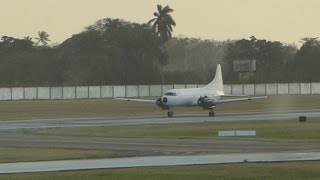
114	51
277	62
109	52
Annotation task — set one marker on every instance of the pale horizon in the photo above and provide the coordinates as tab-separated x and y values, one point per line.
287	20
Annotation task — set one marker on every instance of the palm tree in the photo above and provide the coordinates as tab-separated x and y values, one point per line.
43	38
162	24
28	38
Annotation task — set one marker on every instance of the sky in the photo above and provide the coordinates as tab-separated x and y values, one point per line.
283	20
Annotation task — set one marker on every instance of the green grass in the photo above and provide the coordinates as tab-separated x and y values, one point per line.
289	130
109	107
41	154
36	109
283	171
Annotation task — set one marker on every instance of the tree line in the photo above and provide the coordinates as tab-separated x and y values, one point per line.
114	51
276	61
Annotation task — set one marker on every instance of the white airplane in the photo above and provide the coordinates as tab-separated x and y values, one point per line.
206	97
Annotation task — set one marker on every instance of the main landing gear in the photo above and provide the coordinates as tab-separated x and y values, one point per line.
170	112
212	113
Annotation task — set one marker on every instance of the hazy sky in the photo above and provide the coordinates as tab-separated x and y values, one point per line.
284	20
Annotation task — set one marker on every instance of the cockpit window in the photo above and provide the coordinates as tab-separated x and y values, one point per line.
170	94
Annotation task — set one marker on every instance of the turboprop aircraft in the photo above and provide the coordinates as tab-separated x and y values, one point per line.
207	97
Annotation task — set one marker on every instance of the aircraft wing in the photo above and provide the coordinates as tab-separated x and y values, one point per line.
239	99
228	96
151	101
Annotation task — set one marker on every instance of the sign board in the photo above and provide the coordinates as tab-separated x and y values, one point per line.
239	133
244	66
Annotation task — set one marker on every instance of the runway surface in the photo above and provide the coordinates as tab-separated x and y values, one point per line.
136	120
152	151
153	161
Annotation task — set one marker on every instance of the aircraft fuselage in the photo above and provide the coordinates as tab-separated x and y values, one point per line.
188	97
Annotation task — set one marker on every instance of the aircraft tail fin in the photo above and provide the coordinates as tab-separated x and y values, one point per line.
217	82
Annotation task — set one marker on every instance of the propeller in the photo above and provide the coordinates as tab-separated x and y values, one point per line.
161	104
207	103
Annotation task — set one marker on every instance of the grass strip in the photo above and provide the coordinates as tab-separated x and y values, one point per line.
276	130
36	109
46	154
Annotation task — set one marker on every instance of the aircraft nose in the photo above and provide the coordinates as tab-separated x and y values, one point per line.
164	100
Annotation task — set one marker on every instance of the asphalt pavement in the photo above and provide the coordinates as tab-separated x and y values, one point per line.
137	120
44	166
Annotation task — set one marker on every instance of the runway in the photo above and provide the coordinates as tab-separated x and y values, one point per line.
152	151
137	120
45	166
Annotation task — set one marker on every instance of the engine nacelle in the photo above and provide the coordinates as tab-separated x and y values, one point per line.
161	104
207	103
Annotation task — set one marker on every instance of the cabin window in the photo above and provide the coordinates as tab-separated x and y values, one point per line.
170	94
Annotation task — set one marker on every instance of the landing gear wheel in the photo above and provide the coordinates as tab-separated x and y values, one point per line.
212	114
170	113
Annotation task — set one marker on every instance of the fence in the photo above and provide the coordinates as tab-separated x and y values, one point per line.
96	92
